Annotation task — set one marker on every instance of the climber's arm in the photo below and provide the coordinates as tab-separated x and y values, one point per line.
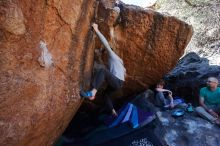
102	38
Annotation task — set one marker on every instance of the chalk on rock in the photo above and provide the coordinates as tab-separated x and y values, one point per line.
116	9
45	60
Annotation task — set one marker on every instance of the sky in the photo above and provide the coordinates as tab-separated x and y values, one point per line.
142	3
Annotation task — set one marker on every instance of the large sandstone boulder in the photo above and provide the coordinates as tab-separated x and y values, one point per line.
37	102
148	42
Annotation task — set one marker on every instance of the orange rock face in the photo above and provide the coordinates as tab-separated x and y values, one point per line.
37	103
148	42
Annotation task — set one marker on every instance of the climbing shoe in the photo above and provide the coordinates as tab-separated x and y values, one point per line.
87	94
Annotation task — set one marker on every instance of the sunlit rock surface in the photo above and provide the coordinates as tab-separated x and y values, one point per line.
37	103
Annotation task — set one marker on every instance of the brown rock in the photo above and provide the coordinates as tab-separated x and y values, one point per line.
148	42
12	19
37	103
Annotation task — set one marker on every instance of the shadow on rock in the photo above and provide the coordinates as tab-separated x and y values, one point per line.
190	75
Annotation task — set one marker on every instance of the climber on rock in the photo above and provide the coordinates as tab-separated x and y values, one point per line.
210	101
114	75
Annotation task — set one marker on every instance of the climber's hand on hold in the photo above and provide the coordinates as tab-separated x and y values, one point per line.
95	26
